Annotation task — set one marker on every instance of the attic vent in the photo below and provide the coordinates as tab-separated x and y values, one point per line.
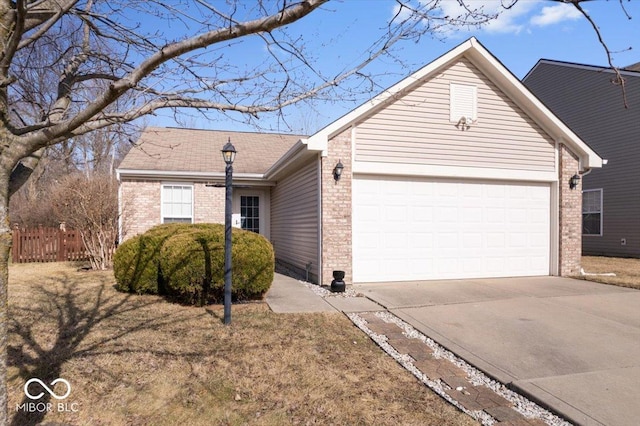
463	102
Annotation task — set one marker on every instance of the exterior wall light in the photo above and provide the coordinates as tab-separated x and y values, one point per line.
574	181
337	170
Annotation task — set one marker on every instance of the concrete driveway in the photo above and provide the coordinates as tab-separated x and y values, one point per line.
571	345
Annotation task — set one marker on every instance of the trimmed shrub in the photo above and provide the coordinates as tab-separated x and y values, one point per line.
186	261
192	265
135	262
253	264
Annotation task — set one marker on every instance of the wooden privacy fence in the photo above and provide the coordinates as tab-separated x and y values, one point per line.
46	245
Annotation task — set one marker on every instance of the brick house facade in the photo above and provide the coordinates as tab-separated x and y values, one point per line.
434	185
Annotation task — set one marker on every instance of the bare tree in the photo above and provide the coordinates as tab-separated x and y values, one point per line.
89	204
72	67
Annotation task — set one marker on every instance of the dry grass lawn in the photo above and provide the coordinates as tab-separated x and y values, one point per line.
627	270
138	360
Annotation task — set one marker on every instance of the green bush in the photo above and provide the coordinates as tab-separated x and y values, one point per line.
135	262
186	262
192	265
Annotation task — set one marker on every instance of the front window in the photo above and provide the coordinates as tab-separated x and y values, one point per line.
177	203
592	212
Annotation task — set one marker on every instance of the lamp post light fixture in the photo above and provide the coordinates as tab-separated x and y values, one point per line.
337	170
574	181
229	155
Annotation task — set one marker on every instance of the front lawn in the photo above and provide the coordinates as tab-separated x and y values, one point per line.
138	360
627	271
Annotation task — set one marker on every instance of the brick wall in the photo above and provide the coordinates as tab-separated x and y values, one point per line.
570	215
140	200
209	203
336	210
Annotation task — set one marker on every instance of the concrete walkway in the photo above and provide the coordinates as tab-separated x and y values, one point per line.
288	295
571	345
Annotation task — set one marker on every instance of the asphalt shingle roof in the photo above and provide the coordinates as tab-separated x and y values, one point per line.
190	150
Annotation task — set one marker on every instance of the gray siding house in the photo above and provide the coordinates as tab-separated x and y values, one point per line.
457	171
589	101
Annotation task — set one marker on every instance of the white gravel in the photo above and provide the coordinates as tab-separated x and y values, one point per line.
325	292
521	404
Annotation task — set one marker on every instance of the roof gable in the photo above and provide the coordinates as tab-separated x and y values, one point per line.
418	127
490	67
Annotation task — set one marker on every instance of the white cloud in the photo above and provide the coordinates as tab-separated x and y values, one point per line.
523	15
510	20
556	14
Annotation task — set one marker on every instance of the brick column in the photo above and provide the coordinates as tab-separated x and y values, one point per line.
570	215
336	210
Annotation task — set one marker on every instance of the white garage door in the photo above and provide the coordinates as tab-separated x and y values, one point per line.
407	230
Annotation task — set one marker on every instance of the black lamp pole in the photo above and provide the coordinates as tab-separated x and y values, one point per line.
229	154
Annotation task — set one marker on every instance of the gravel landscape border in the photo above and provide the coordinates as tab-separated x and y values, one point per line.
527	408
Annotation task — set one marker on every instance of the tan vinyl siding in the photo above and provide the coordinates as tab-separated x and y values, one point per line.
416	129
294	219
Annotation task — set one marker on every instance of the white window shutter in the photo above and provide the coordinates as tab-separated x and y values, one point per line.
463	102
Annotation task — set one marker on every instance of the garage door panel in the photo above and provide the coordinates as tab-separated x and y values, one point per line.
410	230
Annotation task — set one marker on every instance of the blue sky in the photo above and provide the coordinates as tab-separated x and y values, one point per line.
533	29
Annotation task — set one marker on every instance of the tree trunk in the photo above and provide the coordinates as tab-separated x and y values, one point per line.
5	247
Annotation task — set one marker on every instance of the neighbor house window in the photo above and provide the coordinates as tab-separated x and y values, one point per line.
592	212
177	203
463	102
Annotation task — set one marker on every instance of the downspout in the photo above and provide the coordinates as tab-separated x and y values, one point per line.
555	231
319	186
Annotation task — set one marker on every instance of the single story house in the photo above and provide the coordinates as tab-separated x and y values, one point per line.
457	171
590	102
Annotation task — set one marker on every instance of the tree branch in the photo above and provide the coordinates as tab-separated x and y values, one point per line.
619	79
66	128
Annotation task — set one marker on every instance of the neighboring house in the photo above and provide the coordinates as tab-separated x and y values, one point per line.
457	171
593	106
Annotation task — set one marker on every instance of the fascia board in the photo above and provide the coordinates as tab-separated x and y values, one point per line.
293	151
163	174
457	172
296	153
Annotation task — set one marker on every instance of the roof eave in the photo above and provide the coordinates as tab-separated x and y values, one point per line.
300	152
187	175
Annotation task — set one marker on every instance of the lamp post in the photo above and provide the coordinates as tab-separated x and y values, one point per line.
228	154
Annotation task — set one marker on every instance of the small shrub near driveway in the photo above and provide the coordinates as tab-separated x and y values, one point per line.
186	262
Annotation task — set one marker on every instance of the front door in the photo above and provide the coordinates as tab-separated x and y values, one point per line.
252	205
